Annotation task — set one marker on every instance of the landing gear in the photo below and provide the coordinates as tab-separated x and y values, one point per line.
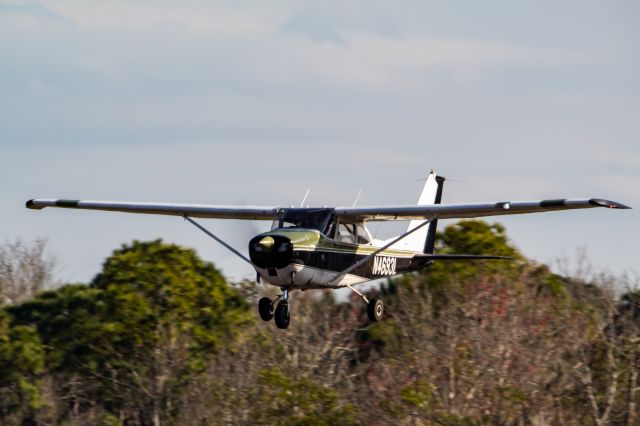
282	315
375	309
282	312
265	308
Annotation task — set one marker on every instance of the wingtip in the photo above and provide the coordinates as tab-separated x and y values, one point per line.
31	205
598	202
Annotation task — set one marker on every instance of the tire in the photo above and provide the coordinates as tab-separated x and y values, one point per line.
282	315
265	308
375	309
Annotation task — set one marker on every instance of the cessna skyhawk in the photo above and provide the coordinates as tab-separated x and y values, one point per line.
330	247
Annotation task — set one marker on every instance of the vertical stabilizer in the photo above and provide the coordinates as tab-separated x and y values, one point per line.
431	235
423	239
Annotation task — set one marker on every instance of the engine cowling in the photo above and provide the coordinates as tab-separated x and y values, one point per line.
271	251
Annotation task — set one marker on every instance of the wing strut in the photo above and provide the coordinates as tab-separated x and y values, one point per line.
370	256
203	229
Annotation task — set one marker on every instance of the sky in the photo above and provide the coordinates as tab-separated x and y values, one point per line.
253	102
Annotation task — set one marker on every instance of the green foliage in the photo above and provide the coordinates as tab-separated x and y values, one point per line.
418	400
469	237
294	402
476	237
152	286
146	325
68	320
418	396
159	337
21	363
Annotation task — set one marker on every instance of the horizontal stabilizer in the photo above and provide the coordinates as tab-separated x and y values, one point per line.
427	257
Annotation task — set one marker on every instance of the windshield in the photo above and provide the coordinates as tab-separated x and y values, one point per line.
305	218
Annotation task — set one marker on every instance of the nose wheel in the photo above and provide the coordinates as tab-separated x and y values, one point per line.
265	308
282	312
282	315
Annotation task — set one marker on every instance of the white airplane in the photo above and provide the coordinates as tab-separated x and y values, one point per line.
330	247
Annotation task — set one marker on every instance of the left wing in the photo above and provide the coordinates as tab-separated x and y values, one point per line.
174	209
459	211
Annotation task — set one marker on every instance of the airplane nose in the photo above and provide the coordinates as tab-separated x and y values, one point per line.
271	251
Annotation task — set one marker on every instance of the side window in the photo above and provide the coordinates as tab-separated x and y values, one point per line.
346	233
331	230
362	236
352	233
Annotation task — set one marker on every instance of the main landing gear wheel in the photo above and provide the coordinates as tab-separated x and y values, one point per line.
375	309
282	315
265	307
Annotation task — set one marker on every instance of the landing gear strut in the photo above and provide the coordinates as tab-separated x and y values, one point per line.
375	307
282	312
282	315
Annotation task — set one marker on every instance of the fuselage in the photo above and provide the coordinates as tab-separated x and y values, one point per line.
305	258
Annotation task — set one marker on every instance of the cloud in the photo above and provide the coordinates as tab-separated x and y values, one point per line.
123	41
198	18
408	61
216	102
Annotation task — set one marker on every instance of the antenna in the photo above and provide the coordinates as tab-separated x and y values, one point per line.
423	179
305	197
357	197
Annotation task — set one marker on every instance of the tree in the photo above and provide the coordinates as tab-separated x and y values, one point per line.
493	343
25	270
469	237
291	402
166	312
159	336
21	363
133	339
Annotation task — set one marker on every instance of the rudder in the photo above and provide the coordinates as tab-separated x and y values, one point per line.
431	235
424	238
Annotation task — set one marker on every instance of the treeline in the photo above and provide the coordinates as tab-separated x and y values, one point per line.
159	337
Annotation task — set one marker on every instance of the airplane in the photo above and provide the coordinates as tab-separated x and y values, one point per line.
331	247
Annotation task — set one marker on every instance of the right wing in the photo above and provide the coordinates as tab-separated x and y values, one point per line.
174	209
471	210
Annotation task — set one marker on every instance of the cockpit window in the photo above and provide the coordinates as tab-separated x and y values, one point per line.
305	218
353	233
323	220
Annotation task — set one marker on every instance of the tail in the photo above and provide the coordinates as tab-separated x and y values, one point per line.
424	238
